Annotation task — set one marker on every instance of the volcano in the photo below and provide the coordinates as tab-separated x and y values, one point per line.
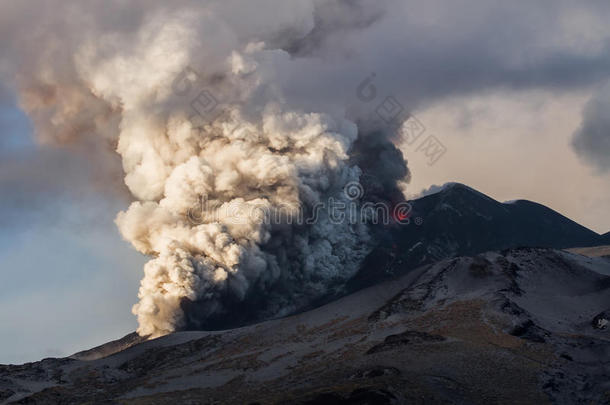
519	326
459	220
447	310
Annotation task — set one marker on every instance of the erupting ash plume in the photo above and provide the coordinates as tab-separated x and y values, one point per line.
131	81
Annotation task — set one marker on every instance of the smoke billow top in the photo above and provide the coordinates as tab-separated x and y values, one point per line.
106	77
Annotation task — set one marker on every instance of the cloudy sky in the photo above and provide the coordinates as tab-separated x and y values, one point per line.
518	93
59	248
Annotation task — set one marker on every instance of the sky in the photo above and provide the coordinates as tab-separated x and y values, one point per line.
518	94
516	146
68	280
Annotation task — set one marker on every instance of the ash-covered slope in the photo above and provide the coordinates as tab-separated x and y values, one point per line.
458	221
606	238
520	326
110	348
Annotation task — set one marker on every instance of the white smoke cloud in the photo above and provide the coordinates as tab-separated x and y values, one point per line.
119	86
103	76
278	159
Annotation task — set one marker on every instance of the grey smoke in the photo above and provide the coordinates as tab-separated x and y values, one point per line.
333	21
592	139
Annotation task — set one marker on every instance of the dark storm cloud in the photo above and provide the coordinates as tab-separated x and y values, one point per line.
592	139
333	19
424	52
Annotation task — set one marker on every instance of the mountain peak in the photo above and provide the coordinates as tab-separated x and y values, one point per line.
457	220
450	189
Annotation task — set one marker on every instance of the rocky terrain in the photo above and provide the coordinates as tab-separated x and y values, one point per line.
517	326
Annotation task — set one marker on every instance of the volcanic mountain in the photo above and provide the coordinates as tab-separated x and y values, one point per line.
450	309
457	221
518	326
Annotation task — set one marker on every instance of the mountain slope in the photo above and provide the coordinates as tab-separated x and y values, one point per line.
110	348
595	251
520	326
459	220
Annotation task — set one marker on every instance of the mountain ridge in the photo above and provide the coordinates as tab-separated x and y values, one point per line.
458	220
530	323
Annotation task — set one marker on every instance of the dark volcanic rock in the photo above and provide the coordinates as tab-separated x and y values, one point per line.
529	331
405	338
361	396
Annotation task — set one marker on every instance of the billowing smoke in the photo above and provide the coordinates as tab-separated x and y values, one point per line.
231	181
228	113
